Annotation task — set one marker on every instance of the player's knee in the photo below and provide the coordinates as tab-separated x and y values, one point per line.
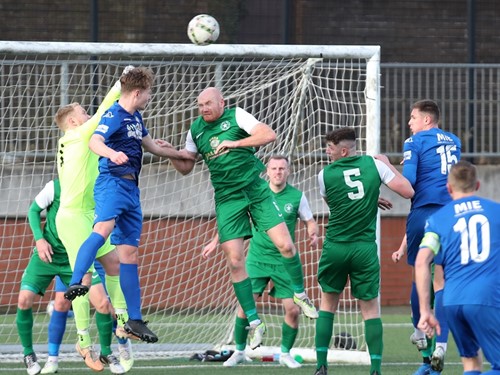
24	301
62	305
292	314
236	264
103	305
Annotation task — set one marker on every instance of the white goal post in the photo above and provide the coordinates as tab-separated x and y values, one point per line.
300	91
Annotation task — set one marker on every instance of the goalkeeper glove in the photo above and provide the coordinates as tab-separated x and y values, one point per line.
127	69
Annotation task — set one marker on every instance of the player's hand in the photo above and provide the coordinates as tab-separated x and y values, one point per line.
224	146
397	255
210	248
127	69
384	204
119	158
313	239
429	324
45	251
163	143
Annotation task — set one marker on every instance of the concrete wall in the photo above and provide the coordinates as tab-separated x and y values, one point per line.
166	193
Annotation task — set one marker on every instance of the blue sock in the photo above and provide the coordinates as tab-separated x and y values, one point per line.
86	256
415	306
441	317
473	373
57	326
129	281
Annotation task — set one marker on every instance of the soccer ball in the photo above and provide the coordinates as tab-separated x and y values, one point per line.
50	307
344	341
203	29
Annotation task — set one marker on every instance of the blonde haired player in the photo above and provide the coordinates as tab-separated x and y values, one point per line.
77	170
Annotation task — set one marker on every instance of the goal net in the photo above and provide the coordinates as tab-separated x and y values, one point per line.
300	91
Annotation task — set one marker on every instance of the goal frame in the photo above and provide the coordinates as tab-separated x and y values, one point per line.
373	99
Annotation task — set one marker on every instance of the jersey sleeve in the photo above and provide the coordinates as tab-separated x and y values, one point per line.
87	129
43	200
190	145
305	212
245	120
321	183
410	160
385	173
46	196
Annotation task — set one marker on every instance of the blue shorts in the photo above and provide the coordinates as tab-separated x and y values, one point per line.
119	199
415	229
59	285
471	333
99	269
98	277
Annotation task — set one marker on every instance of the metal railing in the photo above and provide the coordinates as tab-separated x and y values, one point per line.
468	96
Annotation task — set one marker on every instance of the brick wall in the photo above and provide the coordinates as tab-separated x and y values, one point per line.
408	31
172	250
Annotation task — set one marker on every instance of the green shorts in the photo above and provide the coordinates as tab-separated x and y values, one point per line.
261	273
357	261
38	275
73	229
235	210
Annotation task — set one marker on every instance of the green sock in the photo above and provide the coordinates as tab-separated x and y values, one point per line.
288	336
24	321
324	331
427	353
240	333
104	324
244	295
374	340
294	268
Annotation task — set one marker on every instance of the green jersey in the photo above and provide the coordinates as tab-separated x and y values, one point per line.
235	168
77	165
293	205
48	199
351	187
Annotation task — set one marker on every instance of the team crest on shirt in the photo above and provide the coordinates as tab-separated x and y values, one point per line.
214	142
225	125
288	208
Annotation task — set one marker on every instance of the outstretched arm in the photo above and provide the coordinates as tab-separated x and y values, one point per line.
398	184
182	160
113	94
260	135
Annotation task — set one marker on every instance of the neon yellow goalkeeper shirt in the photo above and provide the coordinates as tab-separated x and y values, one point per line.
77	164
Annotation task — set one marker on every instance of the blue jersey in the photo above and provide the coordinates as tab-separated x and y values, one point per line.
465	236
122	132
428	157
